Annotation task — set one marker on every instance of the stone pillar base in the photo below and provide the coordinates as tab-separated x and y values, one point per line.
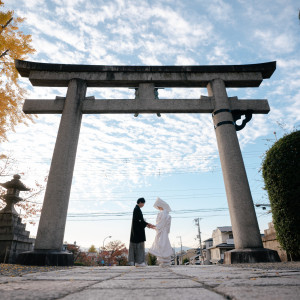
46	258
253	255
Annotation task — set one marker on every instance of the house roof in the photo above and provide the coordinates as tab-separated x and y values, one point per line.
225	228
223	245
208	240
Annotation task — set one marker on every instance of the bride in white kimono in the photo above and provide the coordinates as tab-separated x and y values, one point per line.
161	247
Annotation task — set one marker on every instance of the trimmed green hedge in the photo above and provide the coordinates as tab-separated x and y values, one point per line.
281	173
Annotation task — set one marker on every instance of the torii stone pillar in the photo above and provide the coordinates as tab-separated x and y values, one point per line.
50	235
241	208
247	239
146	79
53	218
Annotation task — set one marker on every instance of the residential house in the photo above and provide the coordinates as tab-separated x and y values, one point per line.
222	242
206	251
192	255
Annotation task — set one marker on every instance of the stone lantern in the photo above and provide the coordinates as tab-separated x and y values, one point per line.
14	187
14	238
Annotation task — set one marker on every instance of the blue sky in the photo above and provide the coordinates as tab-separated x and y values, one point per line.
121	158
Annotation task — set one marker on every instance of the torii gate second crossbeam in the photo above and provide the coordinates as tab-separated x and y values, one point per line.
146	80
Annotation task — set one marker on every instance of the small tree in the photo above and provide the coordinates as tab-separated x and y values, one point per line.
281	173
122	260
151	259
92	249
14	44
84	260
114	252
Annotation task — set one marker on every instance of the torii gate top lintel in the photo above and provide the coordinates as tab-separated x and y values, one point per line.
47	74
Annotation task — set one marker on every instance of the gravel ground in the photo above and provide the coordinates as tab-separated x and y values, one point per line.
19	270
291	265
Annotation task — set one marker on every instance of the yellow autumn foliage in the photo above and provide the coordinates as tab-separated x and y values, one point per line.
14	44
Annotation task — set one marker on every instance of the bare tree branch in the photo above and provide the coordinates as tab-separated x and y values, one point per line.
3	26
4	53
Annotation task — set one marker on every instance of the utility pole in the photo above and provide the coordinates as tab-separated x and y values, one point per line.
181	249
197	223
174	250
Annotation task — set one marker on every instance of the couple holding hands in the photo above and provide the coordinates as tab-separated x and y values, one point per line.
161	246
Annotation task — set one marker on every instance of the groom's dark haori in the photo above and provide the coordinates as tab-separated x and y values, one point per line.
136	254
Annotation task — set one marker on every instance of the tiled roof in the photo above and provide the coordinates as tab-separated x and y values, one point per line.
223	245
210	239
225	228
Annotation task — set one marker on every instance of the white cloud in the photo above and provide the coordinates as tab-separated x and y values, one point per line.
183	60
219	56
293	110
178	30
149	60
274	42
221	11
288	63
258	127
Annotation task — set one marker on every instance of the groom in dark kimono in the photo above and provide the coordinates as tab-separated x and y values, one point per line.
136	254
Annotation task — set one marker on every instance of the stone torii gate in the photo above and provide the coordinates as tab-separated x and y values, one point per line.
146	80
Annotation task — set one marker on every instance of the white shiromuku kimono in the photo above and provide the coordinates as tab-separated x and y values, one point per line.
161	247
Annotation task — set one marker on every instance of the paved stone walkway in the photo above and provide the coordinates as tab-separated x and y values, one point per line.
177	282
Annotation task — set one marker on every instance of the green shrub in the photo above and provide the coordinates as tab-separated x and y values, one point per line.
281	173
78	264
185	260
151	259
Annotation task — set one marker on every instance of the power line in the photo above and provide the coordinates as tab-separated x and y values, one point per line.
170	198
129	219
147	213
176	196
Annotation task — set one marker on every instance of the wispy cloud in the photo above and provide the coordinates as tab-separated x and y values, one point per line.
274	43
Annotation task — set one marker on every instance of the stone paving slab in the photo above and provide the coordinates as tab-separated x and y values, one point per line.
148	294
40	290
85	274
147	283
149	275
177	282
248	278
253	281
247	283
261	292
99	277
73	276
19	270
97	270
